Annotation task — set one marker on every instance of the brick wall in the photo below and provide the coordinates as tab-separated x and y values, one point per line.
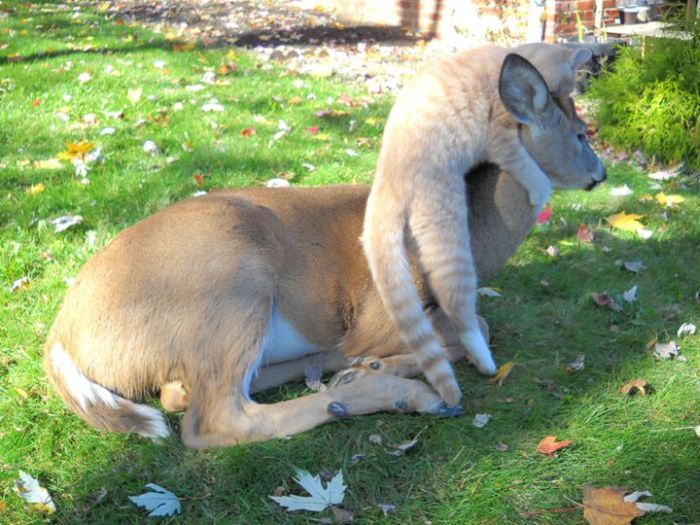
485	20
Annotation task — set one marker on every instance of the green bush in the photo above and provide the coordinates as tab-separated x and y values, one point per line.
651	101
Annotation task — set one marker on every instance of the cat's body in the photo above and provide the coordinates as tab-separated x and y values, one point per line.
480	105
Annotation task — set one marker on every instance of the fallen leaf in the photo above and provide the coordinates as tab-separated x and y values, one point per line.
633	266
373	121
621	191
401	448
150	147
544	215
20	284
626	222
49	164
636	386
576	365
386	508
583	234
75	150
686	329
356	458
324	137
212	106
35	189
669	201
134	95
501	374
313	130
481	420
277	183
631	295
64	222
606	506
320	497
666	350
248	132
647	197
646	507
604	300
33	493
375	439
552	251
160	502
295	101
549	445
501	447
84	77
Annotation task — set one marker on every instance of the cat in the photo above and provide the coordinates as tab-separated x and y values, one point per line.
483	105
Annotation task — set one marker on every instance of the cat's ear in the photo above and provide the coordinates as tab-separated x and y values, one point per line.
523	91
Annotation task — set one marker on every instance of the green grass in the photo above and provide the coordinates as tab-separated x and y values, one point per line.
454	474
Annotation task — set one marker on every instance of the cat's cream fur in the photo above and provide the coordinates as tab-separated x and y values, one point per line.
487	104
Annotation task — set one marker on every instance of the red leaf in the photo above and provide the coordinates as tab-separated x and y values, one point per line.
549	445
198	178
247	132
584	234
36	102
313	130
544	215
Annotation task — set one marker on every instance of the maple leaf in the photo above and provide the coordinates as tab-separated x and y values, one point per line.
75	150
625	221
320	497
666	350
501	374
635	386
30	491
610	506
549	445
160	502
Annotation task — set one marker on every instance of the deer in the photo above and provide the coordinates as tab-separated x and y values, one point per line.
221	296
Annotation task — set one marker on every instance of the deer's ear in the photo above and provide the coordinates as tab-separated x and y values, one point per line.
523	91
580	57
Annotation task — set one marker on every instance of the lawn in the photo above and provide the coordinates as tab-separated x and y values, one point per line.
81	96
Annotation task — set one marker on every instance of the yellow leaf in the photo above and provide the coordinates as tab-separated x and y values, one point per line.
21	392
373	121
35	189
647	197
134	95
294	101
502	373
48	164
231	55
325	137
75	150
668	200
624	221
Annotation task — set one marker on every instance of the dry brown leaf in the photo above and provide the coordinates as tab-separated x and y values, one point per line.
549	445
604	300
606	506
637	386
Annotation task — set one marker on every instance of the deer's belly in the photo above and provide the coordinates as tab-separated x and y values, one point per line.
282	342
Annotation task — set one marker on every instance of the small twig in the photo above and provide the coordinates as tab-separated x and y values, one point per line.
196	498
